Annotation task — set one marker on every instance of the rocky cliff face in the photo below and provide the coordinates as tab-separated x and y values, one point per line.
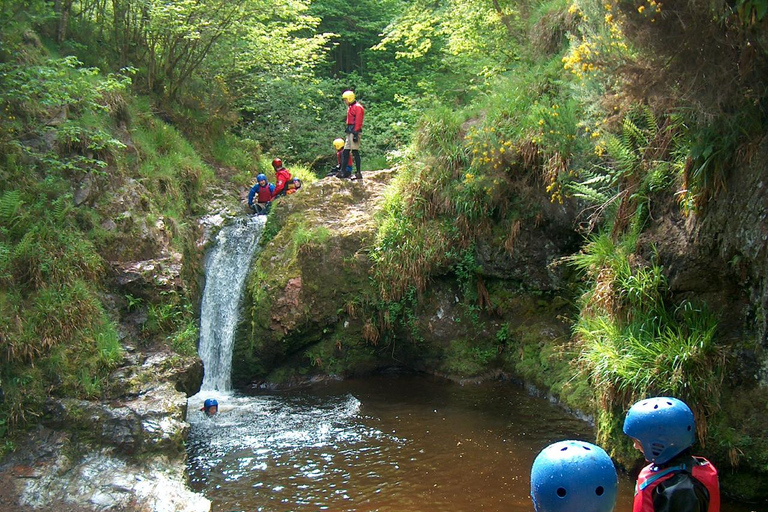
313	309
721	258
125	454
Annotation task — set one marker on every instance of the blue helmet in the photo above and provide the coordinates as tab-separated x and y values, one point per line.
261	176
570	476
210	402
664	426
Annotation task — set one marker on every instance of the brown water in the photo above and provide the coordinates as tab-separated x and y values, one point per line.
396	443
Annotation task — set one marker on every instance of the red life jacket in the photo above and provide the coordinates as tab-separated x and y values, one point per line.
264	195
355	114
649	478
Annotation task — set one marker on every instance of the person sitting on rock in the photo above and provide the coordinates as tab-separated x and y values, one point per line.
263	193
338	144
210	407
293	186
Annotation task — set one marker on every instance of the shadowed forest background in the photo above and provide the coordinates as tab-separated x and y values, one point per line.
642	122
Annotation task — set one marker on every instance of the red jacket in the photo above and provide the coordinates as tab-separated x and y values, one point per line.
338	158
355	114
282	175
651	477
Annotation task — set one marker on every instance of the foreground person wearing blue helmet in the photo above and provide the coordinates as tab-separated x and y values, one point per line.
260	195
663	428
573	476
210	407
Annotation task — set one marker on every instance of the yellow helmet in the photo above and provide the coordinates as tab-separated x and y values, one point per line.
338	144
348	96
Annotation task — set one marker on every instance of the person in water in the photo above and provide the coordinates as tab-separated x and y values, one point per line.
573	476
664	429
210	407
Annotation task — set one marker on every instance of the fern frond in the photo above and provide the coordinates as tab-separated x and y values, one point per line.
10	204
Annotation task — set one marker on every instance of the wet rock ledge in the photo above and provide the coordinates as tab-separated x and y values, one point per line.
127	454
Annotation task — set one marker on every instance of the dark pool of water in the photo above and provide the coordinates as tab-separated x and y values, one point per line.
395	443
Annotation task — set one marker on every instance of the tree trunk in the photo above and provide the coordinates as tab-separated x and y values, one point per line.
62	9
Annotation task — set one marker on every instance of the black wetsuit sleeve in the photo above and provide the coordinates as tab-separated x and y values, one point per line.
680	493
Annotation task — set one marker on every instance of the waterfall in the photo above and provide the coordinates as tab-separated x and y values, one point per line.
226	268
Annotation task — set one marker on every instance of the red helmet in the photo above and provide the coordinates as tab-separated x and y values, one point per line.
277	163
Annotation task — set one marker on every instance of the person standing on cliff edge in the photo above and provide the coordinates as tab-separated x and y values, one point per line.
355	114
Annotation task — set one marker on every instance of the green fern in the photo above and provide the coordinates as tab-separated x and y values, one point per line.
10	206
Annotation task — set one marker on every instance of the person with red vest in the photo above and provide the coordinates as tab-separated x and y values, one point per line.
664	429
282	176
338	144
262	192
355	114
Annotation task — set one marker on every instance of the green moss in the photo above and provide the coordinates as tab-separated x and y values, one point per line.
469	358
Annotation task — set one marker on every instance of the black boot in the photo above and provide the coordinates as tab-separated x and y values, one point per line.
358	176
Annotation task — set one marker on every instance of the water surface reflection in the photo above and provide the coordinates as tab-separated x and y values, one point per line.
395	443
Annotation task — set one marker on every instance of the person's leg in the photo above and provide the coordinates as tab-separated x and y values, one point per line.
356	154
345	158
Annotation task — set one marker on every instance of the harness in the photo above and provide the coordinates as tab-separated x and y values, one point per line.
701	470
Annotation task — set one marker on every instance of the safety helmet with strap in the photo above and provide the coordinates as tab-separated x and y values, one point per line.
348	96
664	426
261	177
277	163
338	144
573	476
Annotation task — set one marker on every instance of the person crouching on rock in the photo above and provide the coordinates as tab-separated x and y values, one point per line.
282	177
262	192
210	407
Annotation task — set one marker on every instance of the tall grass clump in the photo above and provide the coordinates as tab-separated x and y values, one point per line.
636	343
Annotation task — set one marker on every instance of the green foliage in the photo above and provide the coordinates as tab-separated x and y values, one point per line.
308	241
712	151
56	101
634	343
239	154
468	358
171	166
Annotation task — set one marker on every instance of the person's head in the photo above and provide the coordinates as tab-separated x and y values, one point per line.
277	163
573	476
348	97
296	183
338	144
210	406
261	179
663	427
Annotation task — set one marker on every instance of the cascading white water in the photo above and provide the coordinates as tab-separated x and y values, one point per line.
225	271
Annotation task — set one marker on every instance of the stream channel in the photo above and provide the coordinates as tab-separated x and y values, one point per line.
398	442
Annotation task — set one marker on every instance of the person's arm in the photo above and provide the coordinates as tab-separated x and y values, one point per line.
359	114
277	187
252	193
